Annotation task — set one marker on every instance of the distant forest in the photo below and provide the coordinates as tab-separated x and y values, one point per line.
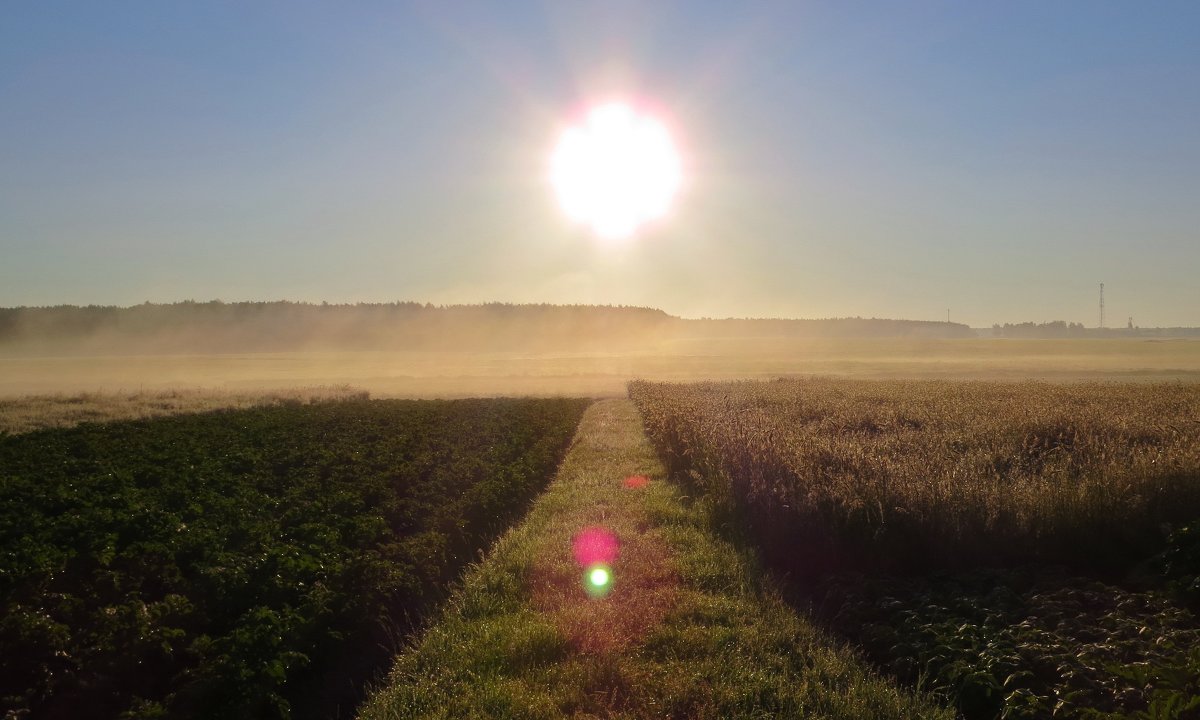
1062	329
218	327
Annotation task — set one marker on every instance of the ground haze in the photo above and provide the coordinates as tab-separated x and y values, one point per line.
414	350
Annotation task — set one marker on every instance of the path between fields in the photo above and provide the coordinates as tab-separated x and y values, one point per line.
593	514
608	526
687	630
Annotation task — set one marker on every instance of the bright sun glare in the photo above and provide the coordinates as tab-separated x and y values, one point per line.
616	171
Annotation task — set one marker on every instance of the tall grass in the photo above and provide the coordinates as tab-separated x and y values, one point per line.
910	475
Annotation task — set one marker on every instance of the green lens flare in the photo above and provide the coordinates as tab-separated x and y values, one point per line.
597	580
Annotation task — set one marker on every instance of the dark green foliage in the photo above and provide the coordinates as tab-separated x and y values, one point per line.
247	563
1180	563
1173	688
1023	643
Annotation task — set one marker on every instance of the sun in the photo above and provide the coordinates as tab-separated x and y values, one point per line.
615	171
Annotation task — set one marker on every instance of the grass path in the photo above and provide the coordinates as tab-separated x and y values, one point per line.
689	629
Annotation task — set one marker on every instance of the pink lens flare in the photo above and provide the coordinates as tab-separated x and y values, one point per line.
636	481
595	545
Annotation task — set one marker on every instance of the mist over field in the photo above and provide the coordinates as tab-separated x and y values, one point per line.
216	327
420	350
755	360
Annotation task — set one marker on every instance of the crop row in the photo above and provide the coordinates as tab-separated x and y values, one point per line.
248	563
1026	643
885	498
900	476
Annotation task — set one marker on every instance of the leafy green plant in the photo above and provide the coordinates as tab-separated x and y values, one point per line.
1020	643
243	563
1180	562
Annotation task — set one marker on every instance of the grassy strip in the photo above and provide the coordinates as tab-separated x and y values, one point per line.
689	630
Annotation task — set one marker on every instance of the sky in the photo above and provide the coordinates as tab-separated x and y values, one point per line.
994	160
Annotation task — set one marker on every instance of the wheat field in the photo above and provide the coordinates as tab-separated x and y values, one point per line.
912	475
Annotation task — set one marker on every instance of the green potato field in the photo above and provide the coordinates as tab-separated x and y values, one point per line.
248	563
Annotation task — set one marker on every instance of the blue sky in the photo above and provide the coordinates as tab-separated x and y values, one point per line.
874	159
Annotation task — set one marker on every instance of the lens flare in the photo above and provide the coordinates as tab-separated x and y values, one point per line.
596	549
635	482
597	581
595	546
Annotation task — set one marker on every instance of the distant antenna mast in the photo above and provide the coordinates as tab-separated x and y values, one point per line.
947	316
1101	305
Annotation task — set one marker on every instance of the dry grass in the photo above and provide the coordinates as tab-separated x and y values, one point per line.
903	475
37	412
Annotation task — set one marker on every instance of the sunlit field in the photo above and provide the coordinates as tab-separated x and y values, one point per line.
600	360
928	503
920	475
1018	548
597	373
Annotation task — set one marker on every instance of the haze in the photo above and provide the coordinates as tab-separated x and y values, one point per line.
999	159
